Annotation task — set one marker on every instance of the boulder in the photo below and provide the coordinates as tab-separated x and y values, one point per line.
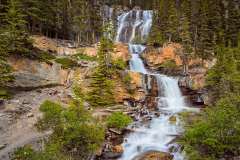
31	74
154	155
117	149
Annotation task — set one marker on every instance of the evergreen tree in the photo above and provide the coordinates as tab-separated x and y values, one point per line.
172	22
186	41
14	38
101	93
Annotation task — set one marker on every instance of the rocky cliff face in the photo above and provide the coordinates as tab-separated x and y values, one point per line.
154	57
159	59
31	74
168	61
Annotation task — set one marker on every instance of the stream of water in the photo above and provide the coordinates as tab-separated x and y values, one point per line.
133	28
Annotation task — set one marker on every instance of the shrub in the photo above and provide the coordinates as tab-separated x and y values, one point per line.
118	120
52	115
218	132
66	63
76	135
120	64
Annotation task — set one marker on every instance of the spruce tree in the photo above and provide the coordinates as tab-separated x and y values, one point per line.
101	93
186	41
14	37
172	22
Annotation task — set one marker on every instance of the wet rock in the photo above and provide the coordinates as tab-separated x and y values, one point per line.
173	119
154	155
111	155
151	103
117	149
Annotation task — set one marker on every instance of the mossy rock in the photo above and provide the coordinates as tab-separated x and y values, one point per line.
173	119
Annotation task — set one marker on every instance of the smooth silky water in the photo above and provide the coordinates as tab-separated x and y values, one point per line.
158	134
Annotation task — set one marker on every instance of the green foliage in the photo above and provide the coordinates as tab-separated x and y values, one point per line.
75	134
118	120
120	64
5	72
5	94
14	38
45	56
217	134
101	87
224	77
24	153
85	57
66	62
52	115
169	64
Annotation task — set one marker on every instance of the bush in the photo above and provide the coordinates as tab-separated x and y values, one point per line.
118	120
76	135
218	132
52	115
66	63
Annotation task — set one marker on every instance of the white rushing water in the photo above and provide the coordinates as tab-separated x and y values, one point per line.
157	135
160	131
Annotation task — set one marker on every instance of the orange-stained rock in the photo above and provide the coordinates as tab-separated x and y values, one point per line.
117	149
121	52
121	93
155	57
48	44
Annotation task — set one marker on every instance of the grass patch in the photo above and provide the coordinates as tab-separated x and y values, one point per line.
67	63
81	56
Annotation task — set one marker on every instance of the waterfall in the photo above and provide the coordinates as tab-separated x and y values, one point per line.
173	99
136	63
160	131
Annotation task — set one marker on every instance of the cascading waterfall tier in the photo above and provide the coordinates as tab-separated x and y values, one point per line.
133	28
